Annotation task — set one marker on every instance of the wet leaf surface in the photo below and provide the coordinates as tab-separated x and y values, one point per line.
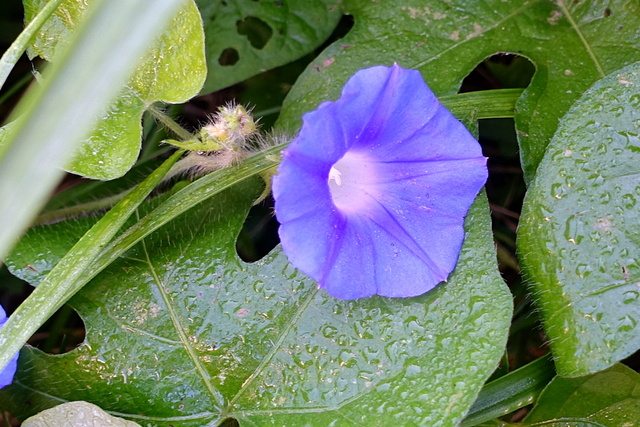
76	414
578	235
191	335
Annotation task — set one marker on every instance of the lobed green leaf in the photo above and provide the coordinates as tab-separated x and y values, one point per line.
193	335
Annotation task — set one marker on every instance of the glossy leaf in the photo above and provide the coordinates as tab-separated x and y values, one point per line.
609	398
79	87
173	71
571	44
246	37
76	414
578	236
193	335
70	272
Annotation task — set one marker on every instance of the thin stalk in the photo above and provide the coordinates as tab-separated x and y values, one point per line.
80	209
169	123
511	392
489	104
19	45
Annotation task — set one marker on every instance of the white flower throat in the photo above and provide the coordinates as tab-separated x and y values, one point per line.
350	180
336	176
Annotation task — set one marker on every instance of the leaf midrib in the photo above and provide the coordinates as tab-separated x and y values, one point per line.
184	339
276	346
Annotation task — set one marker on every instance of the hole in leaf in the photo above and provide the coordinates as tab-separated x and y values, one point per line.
256	30
499	71
505	186
63	332
259	234
229	422
506	189
228	57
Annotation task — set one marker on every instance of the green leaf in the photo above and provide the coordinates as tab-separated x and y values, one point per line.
76	414
607	399
578	236
172	71
67	277
78	87
246	37
571	44
192	335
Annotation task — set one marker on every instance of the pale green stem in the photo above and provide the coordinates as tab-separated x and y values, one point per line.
19	46
79	209
169	123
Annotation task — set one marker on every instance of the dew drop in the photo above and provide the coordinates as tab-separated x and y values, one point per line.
630	297
329	331
558	191
629	201
627	323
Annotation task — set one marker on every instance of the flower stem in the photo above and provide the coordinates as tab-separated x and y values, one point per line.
169	123
80	209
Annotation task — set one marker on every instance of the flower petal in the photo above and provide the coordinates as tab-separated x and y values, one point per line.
440	187
7	374
387	111
372	194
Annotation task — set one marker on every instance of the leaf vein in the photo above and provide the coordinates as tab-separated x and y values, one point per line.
186	344
524	6
584	41
263	364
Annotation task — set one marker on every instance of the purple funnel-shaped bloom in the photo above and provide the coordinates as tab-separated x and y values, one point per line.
6	375
372	194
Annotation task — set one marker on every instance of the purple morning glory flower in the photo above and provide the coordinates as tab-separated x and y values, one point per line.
372	194
6	376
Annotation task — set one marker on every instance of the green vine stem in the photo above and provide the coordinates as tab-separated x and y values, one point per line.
69	275
510	392
169	123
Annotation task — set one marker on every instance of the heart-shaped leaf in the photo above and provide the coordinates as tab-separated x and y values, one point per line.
192	335
578	235
571	44
172	71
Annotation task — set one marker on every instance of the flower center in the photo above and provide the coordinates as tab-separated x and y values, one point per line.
349	182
